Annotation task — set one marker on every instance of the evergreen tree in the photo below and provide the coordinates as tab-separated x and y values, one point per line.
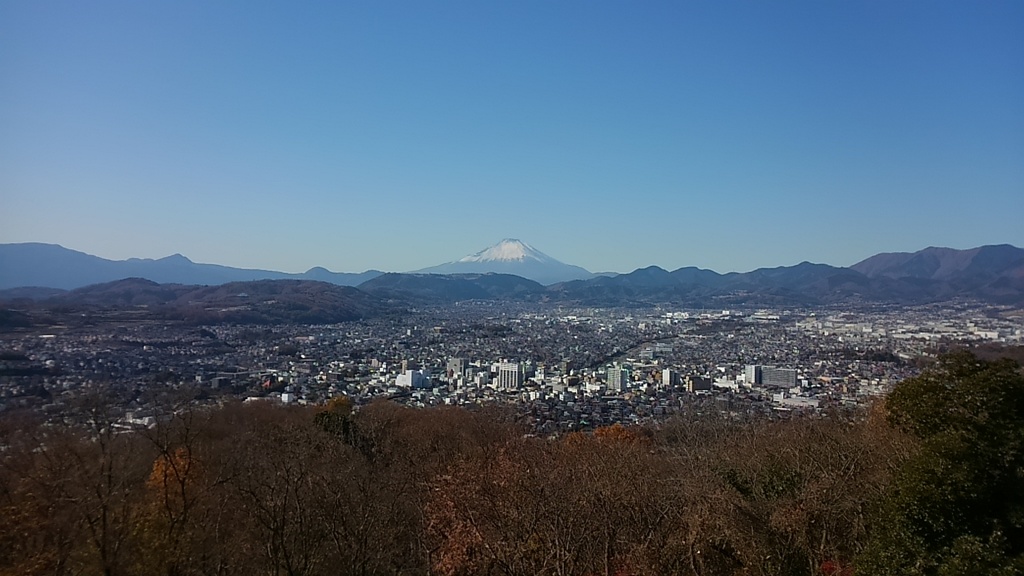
957	506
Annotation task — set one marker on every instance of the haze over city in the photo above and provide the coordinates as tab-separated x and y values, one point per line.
729	136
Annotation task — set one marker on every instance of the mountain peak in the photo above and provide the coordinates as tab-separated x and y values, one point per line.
513	256
175	258
509	250
936	263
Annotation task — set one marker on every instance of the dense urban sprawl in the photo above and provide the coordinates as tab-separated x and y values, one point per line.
562	368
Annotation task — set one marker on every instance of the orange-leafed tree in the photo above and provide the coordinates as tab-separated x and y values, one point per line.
617	433
507	512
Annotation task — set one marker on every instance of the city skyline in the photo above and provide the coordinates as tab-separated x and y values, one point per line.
728	136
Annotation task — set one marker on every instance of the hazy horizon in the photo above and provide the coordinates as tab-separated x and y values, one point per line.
419	268
729	136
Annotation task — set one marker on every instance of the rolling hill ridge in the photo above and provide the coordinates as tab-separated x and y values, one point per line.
992	274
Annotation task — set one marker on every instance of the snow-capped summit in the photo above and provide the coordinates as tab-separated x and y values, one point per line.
509	250
512	256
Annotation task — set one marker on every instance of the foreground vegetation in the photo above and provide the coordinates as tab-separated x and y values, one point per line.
931	482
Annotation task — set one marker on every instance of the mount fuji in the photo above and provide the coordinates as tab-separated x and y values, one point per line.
511	256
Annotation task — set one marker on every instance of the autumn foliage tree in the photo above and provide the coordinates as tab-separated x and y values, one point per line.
382	489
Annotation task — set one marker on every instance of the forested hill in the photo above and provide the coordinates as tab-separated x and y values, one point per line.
927	482
256	302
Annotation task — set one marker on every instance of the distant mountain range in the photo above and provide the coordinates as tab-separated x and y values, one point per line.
977	265
53	266
993	274
989	273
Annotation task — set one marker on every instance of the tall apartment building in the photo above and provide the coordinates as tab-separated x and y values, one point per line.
456	368
413	379
770	376
752	374
669	378
781	377
511	376
618	378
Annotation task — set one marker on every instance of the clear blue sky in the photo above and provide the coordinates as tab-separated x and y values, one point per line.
611	135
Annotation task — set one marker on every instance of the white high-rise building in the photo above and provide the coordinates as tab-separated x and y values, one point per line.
511	376
456	369
413	379
770	376
482	379
780	377
669	378
752	374
618	378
